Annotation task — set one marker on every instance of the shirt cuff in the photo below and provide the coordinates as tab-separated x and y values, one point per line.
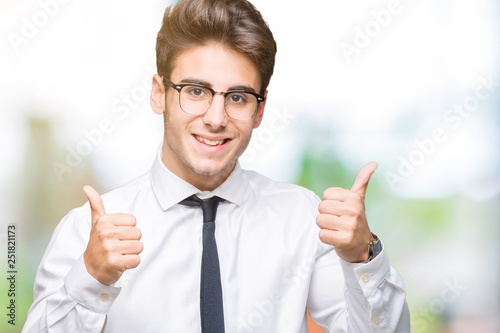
87	291
366	276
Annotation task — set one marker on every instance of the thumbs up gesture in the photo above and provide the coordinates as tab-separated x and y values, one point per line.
114	243
342	218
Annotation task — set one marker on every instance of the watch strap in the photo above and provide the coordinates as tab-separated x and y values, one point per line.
374	248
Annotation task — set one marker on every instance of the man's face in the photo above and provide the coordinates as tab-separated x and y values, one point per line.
203	149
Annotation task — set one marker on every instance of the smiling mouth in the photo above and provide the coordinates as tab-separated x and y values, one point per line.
210	142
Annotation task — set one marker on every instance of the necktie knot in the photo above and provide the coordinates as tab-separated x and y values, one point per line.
209	207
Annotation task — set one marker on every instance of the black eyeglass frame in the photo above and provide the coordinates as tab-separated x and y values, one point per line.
179	87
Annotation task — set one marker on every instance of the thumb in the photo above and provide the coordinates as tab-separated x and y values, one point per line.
95	201
361	182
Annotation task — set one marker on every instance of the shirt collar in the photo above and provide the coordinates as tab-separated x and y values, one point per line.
169	189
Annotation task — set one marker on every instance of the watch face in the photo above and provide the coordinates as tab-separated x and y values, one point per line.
376	248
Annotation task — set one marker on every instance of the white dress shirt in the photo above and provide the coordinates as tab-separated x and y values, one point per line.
273	266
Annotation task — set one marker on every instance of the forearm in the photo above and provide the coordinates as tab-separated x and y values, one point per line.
375	297
59	313
80	304
353	298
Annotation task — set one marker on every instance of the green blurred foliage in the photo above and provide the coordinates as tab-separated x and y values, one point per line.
42	202
409	226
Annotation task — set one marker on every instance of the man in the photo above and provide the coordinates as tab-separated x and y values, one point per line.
131	261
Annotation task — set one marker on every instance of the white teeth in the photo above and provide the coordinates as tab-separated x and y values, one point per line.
209	142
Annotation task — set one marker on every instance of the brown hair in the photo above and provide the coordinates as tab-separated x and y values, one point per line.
236	24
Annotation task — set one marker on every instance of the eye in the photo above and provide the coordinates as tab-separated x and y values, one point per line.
237	98
196	92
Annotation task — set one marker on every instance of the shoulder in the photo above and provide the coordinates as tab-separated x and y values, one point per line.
275	192
75	226
284	212
120	199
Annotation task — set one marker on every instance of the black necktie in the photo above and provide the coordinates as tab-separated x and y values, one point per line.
211	309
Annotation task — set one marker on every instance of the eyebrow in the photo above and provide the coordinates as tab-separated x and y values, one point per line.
196	81
209	85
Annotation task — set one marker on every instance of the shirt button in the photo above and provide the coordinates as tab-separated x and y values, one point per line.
376	321
365	277
105	297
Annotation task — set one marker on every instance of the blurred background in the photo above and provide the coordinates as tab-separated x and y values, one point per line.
413	85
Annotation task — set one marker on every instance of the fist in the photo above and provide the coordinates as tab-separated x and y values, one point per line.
114	243
342	218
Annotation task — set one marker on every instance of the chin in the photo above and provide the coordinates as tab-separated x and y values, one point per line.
211	169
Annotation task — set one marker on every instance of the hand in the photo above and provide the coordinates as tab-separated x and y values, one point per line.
342	218
114	243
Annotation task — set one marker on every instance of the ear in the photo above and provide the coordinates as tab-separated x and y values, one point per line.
158	94
260	112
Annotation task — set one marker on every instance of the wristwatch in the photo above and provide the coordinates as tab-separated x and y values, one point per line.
374	248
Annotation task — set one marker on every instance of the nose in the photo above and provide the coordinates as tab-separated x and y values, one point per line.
216	115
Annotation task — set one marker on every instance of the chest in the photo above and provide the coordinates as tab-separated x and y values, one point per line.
265	260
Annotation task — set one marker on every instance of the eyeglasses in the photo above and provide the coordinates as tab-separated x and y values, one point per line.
196	99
